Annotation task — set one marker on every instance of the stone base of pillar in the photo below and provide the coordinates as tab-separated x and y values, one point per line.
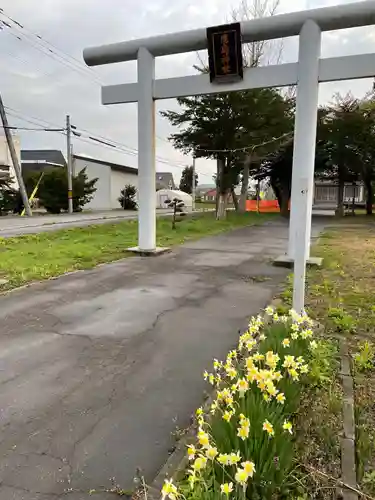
149	253
288	262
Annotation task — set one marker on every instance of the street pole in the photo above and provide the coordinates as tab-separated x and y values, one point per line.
15	161
69	163
193	185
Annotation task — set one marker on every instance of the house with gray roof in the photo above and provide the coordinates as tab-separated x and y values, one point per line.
164	180
37	160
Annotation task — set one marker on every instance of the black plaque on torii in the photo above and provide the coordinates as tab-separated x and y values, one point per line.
225	53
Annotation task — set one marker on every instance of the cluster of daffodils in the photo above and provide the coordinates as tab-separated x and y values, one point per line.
245	369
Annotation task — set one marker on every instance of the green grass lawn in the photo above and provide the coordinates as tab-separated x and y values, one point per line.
34	257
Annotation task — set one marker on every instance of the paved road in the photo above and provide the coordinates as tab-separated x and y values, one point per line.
16	226
97	368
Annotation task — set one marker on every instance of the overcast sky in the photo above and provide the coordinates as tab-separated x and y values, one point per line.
38	86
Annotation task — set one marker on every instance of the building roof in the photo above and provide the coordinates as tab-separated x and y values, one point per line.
210	192
114	166
49	156
164	180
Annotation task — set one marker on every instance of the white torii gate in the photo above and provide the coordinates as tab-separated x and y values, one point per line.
306	74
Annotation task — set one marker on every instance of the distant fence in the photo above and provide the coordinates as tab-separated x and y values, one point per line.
264	206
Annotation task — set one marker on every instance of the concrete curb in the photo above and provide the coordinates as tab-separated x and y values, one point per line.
348	448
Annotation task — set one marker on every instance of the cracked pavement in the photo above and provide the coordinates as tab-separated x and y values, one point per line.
97	368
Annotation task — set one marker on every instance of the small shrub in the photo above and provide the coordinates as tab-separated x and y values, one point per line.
343	322
127	197
369	481
53	189
364	359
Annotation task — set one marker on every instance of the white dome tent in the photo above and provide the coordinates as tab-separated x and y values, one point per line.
169	194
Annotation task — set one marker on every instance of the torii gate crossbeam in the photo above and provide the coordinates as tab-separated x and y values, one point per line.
307	73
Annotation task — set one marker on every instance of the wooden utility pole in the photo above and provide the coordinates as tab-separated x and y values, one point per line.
69	163
13	155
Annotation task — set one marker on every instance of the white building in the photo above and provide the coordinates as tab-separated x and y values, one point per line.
170	194
111	179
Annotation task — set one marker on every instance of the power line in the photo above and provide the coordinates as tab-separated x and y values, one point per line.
38	43
35	129
98	141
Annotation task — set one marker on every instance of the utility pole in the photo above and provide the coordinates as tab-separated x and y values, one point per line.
15	161
69	163
193	185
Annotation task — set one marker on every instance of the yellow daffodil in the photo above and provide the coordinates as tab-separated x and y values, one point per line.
252	374
223	395
287	426
223	459
203	439
211	452
289	361
191	451
227	415
276	317
262	337
243	432
169	490
286	343
214	407
269	310
205	375
277	376
293	373
266	397
294	327
306	334
250	344
262	385
244	421
258	357
272	359
280	398
242	386
268	427
313	345
294	335
200	463
271	389
199	412
249	363
234	458
304	368
231	372
249	468
217	364
226	488
241	477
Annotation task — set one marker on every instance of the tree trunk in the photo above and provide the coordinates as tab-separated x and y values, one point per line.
283	195
284	205
221	212
222	208
245	185
217	186
340	197
369	197
235	199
